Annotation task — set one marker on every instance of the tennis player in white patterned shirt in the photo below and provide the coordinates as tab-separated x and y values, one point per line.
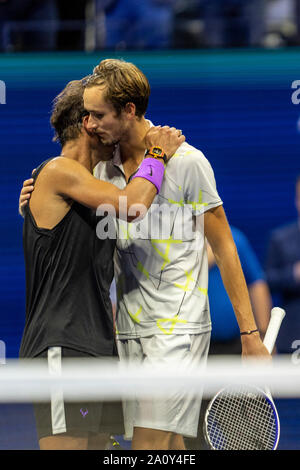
162	305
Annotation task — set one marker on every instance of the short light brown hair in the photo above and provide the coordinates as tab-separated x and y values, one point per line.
68	112
124	83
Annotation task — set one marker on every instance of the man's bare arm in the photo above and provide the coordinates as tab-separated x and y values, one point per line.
261	303
259	296
219	236
68	178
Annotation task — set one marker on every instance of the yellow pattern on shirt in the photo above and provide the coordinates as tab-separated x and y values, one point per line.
173	322
165	254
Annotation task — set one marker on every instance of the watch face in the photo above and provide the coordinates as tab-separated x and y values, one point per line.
157	150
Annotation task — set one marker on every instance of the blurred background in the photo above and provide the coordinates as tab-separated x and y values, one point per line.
51	25
221	70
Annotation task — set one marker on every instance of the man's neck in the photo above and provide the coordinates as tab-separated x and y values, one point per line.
132	148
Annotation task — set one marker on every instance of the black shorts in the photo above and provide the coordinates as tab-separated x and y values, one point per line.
60	417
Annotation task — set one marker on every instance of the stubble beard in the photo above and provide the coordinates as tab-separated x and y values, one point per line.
115	141
109	143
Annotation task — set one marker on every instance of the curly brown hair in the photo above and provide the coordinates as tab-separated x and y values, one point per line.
124	83
68	112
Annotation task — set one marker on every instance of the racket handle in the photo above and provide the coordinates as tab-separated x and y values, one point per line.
277	315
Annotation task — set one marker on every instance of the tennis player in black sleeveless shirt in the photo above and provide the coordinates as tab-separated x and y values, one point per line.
69	270
68	276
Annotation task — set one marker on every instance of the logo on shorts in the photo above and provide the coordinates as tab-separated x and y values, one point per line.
84	413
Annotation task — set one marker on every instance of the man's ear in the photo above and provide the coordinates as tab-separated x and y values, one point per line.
85	120
130	110
85	123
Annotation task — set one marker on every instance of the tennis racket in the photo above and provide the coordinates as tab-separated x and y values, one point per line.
243	417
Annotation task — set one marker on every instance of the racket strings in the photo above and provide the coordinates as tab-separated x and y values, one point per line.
241	419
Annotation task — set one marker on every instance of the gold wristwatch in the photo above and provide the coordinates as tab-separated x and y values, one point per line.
156	152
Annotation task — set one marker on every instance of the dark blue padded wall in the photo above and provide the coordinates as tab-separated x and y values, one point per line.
234	106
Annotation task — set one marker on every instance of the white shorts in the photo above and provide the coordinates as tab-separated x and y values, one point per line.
177	412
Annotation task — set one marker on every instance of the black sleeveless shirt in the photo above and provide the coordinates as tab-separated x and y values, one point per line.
69	271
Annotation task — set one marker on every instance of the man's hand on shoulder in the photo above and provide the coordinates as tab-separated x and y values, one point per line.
168	138
25	194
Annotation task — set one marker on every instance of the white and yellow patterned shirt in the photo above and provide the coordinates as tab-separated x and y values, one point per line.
161	268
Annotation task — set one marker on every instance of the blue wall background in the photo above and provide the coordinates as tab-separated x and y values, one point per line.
235	106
